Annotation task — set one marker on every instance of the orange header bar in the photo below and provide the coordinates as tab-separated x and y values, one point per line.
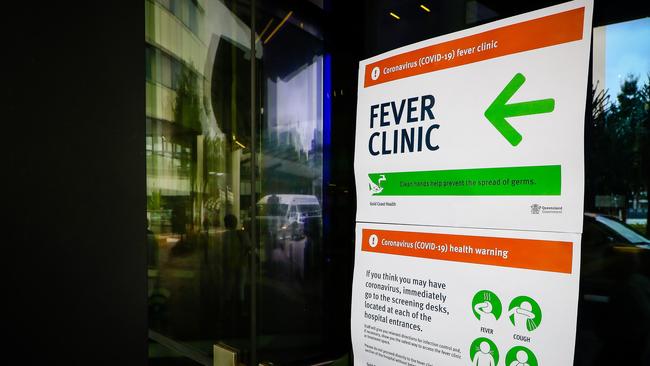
525	36
541	255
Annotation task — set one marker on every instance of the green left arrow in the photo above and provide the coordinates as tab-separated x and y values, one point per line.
498	111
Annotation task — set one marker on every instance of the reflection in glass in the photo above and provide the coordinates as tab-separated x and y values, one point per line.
289	208
199	190
614	305
197	58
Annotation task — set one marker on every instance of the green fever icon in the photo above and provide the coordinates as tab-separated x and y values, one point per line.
524	313
483	352
520	356
486	307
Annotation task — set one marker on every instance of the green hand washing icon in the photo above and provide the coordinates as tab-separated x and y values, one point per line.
376	188
486	307
524	313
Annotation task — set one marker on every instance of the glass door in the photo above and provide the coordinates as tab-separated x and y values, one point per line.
236	94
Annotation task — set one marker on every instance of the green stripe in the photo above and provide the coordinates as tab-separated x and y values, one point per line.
511	181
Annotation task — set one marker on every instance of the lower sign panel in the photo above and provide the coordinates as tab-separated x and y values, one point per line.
452	296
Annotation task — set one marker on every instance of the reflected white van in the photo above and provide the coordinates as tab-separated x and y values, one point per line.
291	210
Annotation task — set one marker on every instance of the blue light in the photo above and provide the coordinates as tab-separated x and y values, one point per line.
327	118
327	138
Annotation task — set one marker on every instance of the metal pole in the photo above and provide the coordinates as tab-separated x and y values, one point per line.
254	244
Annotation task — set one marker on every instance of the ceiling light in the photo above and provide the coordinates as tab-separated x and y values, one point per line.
278	27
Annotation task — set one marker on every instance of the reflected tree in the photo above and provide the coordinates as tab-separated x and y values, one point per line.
644	150
616	143
188	114
597	147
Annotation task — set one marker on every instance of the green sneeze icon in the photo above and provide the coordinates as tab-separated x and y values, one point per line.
498	111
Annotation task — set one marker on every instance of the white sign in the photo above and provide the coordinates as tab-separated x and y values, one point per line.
449	296
470	184
482	127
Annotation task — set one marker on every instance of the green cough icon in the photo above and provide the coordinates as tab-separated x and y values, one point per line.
520	356
486	307
524	313
483	352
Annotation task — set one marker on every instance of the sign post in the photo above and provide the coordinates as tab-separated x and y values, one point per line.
470	183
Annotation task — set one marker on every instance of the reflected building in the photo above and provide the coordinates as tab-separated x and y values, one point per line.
195	145
198	113
200	197
198	139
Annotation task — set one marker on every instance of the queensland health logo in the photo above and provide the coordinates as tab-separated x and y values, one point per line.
375	187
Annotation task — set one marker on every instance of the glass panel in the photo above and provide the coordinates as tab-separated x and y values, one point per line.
166	71
614	306
198	141
290	304
193	17
175	7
